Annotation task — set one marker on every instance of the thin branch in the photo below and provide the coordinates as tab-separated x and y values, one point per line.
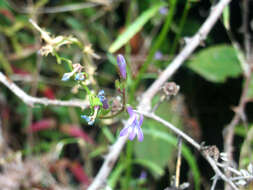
192	142
179	159
30	100
216	177
108	164
245	20
239	115
172	127
193	43
147	96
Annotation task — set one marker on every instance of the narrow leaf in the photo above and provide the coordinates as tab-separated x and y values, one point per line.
134	28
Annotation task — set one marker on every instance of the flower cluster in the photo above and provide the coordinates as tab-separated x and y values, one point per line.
133	125
97	102
101	96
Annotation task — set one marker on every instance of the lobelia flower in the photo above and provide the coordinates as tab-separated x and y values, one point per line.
122	66
143	175
158	55
91	119
102	98
79	77
76	68
163	10
133	126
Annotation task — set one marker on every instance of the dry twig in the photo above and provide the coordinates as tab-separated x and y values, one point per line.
180	133
30	100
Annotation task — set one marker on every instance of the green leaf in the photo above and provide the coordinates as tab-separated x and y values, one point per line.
216	63
74	23
134	28
108	134
226	17
115	175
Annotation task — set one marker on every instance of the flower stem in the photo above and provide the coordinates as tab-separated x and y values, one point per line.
181	26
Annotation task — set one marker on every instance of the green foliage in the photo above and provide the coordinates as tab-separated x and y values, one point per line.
134	28
216	63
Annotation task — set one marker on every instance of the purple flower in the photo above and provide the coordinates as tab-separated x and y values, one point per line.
133	126
102	98
121	65
163	10
143	175
158	55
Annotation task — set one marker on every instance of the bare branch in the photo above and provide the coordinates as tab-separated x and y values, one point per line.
245	20
172	127
30	100
193	43
113	154
211	161
239	115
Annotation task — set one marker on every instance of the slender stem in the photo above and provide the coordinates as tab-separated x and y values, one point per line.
158	104
5	64
229	130
216	177
127	23
85	88
245	20
177	183
155	47
181	26
128	160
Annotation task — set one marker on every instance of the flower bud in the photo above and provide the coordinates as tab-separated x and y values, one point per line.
121	65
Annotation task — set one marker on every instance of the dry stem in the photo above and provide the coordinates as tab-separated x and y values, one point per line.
30	100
